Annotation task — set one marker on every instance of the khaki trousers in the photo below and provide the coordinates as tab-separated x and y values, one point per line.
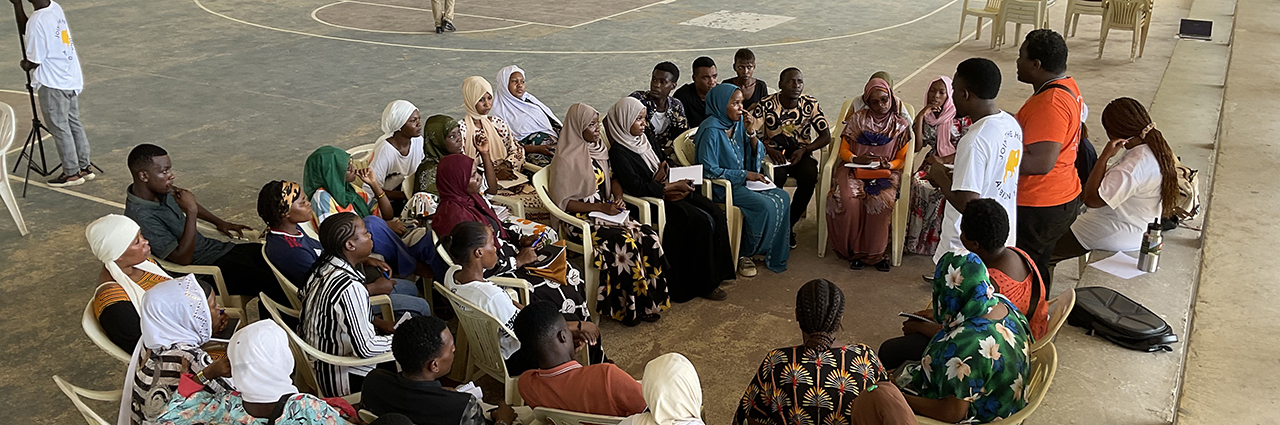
442	10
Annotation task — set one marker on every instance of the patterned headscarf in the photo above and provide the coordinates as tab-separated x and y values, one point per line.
289	192
326	169
434	134
473	89
962	290
943	120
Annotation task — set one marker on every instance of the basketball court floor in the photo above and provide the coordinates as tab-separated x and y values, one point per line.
241	91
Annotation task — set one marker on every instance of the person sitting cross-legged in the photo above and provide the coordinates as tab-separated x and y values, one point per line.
563	383
167	216
424	348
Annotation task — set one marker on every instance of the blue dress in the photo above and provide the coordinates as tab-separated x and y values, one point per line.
765	214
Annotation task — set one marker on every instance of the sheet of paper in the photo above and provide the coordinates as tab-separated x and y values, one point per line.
873	164
618	218
916	317
471	388
519	180
759	186
782	164
692	172
403	318
1119	265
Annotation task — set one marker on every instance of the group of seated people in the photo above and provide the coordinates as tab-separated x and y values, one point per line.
355	228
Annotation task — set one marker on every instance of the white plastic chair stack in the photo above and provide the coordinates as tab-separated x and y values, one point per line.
1075	8
989	11
8	125
1018	12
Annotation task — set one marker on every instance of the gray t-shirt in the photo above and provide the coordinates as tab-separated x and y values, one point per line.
162	224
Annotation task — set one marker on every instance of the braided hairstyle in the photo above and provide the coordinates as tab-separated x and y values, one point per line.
1125	117
466	237
819	308
335	231
269	200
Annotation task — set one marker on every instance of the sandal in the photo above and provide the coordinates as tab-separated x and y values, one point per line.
883	265
856	265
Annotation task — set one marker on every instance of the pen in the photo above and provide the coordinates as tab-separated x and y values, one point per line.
538	240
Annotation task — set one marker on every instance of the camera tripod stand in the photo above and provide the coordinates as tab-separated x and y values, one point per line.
35	140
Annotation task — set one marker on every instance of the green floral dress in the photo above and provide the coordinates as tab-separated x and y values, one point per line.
978	360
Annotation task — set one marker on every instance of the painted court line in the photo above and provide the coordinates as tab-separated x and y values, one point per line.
459	14
554	52
316	18
623	13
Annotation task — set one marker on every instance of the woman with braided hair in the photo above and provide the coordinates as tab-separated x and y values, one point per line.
1140	188
817	381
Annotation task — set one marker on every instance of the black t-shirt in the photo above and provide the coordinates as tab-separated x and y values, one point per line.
760	92
423	402
694	107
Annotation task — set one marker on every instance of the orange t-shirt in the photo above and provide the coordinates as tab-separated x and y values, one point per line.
1019	293
1052	115
600	389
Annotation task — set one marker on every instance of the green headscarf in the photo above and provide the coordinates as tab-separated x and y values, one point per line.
961	290
326	168
883	75
434	133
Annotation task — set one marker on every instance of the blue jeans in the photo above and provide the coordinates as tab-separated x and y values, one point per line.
405	299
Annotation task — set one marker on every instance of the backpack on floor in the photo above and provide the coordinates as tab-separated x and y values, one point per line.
1116	318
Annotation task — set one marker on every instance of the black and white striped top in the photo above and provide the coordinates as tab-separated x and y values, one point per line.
335	319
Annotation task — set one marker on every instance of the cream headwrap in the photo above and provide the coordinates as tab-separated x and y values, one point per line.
572	177
173	312
109	237
473	89
261	362
617	124
673	392
394	117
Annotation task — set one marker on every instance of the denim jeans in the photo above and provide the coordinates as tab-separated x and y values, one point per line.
61	111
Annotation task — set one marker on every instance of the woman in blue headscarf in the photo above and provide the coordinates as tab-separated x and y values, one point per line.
726	152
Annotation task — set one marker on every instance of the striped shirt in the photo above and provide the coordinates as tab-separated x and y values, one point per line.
335	319
157	379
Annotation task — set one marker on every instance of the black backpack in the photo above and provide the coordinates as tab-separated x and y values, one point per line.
1116	318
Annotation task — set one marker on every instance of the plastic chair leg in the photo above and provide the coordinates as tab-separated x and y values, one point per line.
1083	262
961	37
11	202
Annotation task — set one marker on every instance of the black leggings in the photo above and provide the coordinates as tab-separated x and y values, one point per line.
806	174
247	273
894	352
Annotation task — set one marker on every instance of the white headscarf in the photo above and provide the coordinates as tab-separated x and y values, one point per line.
109	237
526	114
617	124
673	392
261	362
393	118
173	312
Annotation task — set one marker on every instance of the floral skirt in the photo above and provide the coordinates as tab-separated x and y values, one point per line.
924	225
633	281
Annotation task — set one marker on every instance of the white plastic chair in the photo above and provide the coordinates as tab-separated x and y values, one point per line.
228	300
290	291
304	377
901	208
1075	8
1128	15
1018	12
8	125
75	393
484	355
367	416
687	154
989	11
1044	364
1059	308
590	275
94	330
549	416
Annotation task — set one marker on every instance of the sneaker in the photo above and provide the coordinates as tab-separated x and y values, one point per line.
65	180
717	295
856	265
883	265
448	26
87	174
746	267
793	240
928	278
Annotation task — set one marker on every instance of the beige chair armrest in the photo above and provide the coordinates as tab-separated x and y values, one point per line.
661	206
641	204
384	302
522	287
516	207
213	271
531	167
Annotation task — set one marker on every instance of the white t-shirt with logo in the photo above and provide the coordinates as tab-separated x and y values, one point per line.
987	160
49	44
1131	190
391	168
493	300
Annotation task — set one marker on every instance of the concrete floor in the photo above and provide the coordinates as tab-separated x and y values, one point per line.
240	92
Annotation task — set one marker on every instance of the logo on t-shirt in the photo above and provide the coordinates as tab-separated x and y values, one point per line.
1012	159
1011	165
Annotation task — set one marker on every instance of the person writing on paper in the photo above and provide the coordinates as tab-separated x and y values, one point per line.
873	150
126	274
531	121
490	140
633	278
1123	199
727	152
937	127
987	157
794	127
697	237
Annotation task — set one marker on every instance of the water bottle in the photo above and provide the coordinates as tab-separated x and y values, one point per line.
1149	253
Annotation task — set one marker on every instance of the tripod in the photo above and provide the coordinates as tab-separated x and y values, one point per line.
35	141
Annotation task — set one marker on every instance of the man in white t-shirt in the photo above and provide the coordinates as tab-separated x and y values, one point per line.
987	157
55	68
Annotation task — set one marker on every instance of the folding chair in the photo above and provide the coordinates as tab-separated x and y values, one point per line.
74	393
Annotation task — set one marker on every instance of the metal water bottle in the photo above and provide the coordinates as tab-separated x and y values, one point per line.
1149	253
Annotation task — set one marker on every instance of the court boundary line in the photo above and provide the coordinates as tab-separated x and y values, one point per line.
598	52
322	21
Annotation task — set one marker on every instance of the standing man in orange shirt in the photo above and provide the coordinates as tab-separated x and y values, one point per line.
1048	187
